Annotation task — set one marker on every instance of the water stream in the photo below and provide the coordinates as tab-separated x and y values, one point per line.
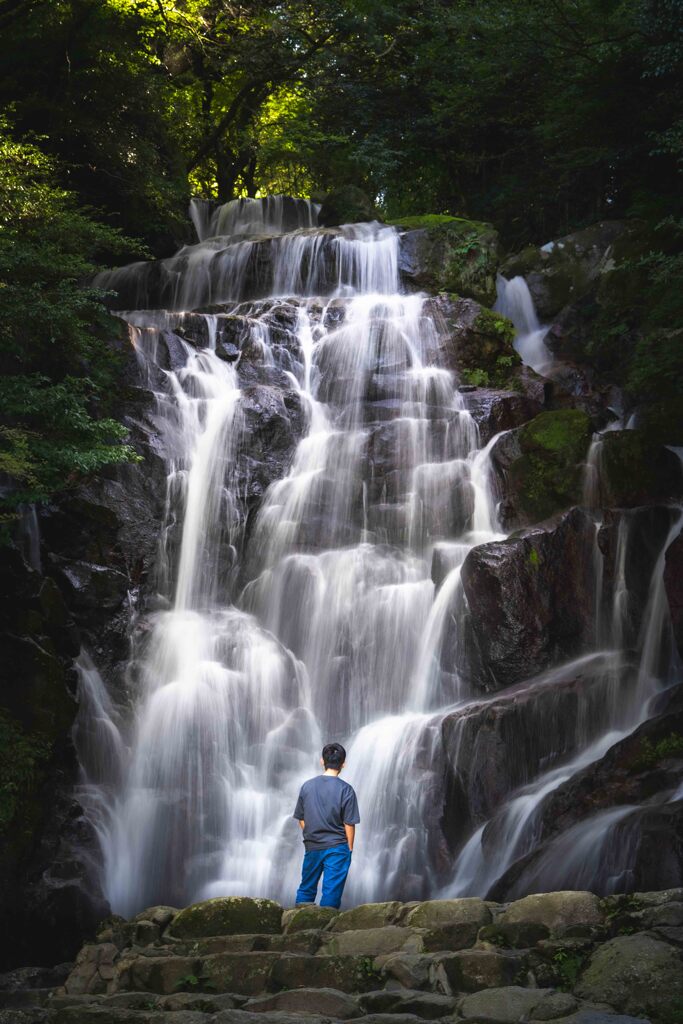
312	614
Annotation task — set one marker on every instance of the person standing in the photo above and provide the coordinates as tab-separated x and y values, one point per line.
327	811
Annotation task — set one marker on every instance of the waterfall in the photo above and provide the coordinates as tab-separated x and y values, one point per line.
515	302
320	465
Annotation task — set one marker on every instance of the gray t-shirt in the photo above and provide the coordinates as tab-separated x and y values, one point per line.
326	803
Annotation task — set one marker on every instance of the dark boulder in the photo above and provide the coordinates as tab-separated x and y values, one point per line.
633	471
673	581
530	600
562	271
345	205
631	543
497	410
643	846
542	465
472	341
449	254
495	746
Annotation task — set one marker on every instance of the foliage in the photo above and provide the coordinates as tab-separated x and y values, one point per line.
650	754
22	758
547	476
53	329
193	983
569	964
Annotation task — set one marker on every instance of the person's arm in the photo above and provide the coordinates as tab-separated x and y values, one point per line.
302	823
350	834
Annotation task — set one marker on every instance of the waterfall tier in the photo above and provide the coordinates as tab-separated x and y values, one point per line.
328	502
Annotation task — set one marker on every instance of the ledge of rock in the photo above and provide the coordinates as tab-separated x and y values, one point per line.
566	956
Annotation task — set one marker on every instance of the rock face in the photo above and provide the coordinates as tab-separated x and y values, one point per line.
530	599
541	464
635	472
496	746
473	340
673	581
91	553
556	956
563	271
346	205
453	255
639	773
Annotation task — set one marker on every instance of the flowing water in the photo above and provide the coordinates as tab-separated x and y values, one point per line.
515	302
311	613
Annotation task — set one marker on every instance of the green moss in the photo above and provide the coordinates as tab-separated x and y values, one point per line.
650	754
488	322
533	558
547	477
23	758
568	965
228	915
454	255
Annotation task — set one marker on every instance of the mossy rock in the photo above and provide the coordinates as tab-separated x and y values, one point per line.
367	915
346	205
451	255
300	919
564	270
547	476
635	974
634	471
228	915
477	342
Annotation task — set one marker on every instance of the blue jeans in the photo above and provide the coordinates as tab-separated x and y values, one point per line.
333	864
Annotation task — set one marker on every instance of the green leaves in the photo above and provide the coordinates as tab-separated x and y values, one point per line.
55	334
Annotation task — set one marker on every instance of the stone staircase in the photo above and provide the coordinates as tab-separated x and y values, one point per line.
567	957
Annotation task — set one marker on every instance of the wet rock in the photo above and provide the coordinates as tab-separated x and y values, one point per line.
497	410
605	1016
375	941
410	970
557	1004
673	582
505	1005
345	973
564	270
482	742
345	205
631	542
426	1005
562	913
320	1000
368	915
636	472
636	974
303	918
472	341
228	915
459	256
471	970
160	916
646	847
451	924
93	971
530	599
546	475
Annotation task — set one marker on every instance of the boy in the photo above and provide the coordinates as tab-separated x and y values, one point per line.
327	811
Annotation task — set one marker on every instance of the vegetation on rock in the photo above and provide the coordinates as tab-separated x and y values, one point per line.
547	476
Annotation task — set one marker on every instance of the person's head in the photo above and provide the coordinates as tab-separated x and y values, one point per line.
333	757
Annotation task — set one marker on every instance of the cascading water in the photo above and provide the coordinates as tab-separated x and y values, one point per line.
515	302
303	610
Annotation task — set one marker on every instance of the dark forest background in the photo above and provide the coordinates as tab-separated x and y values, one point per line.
540	116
